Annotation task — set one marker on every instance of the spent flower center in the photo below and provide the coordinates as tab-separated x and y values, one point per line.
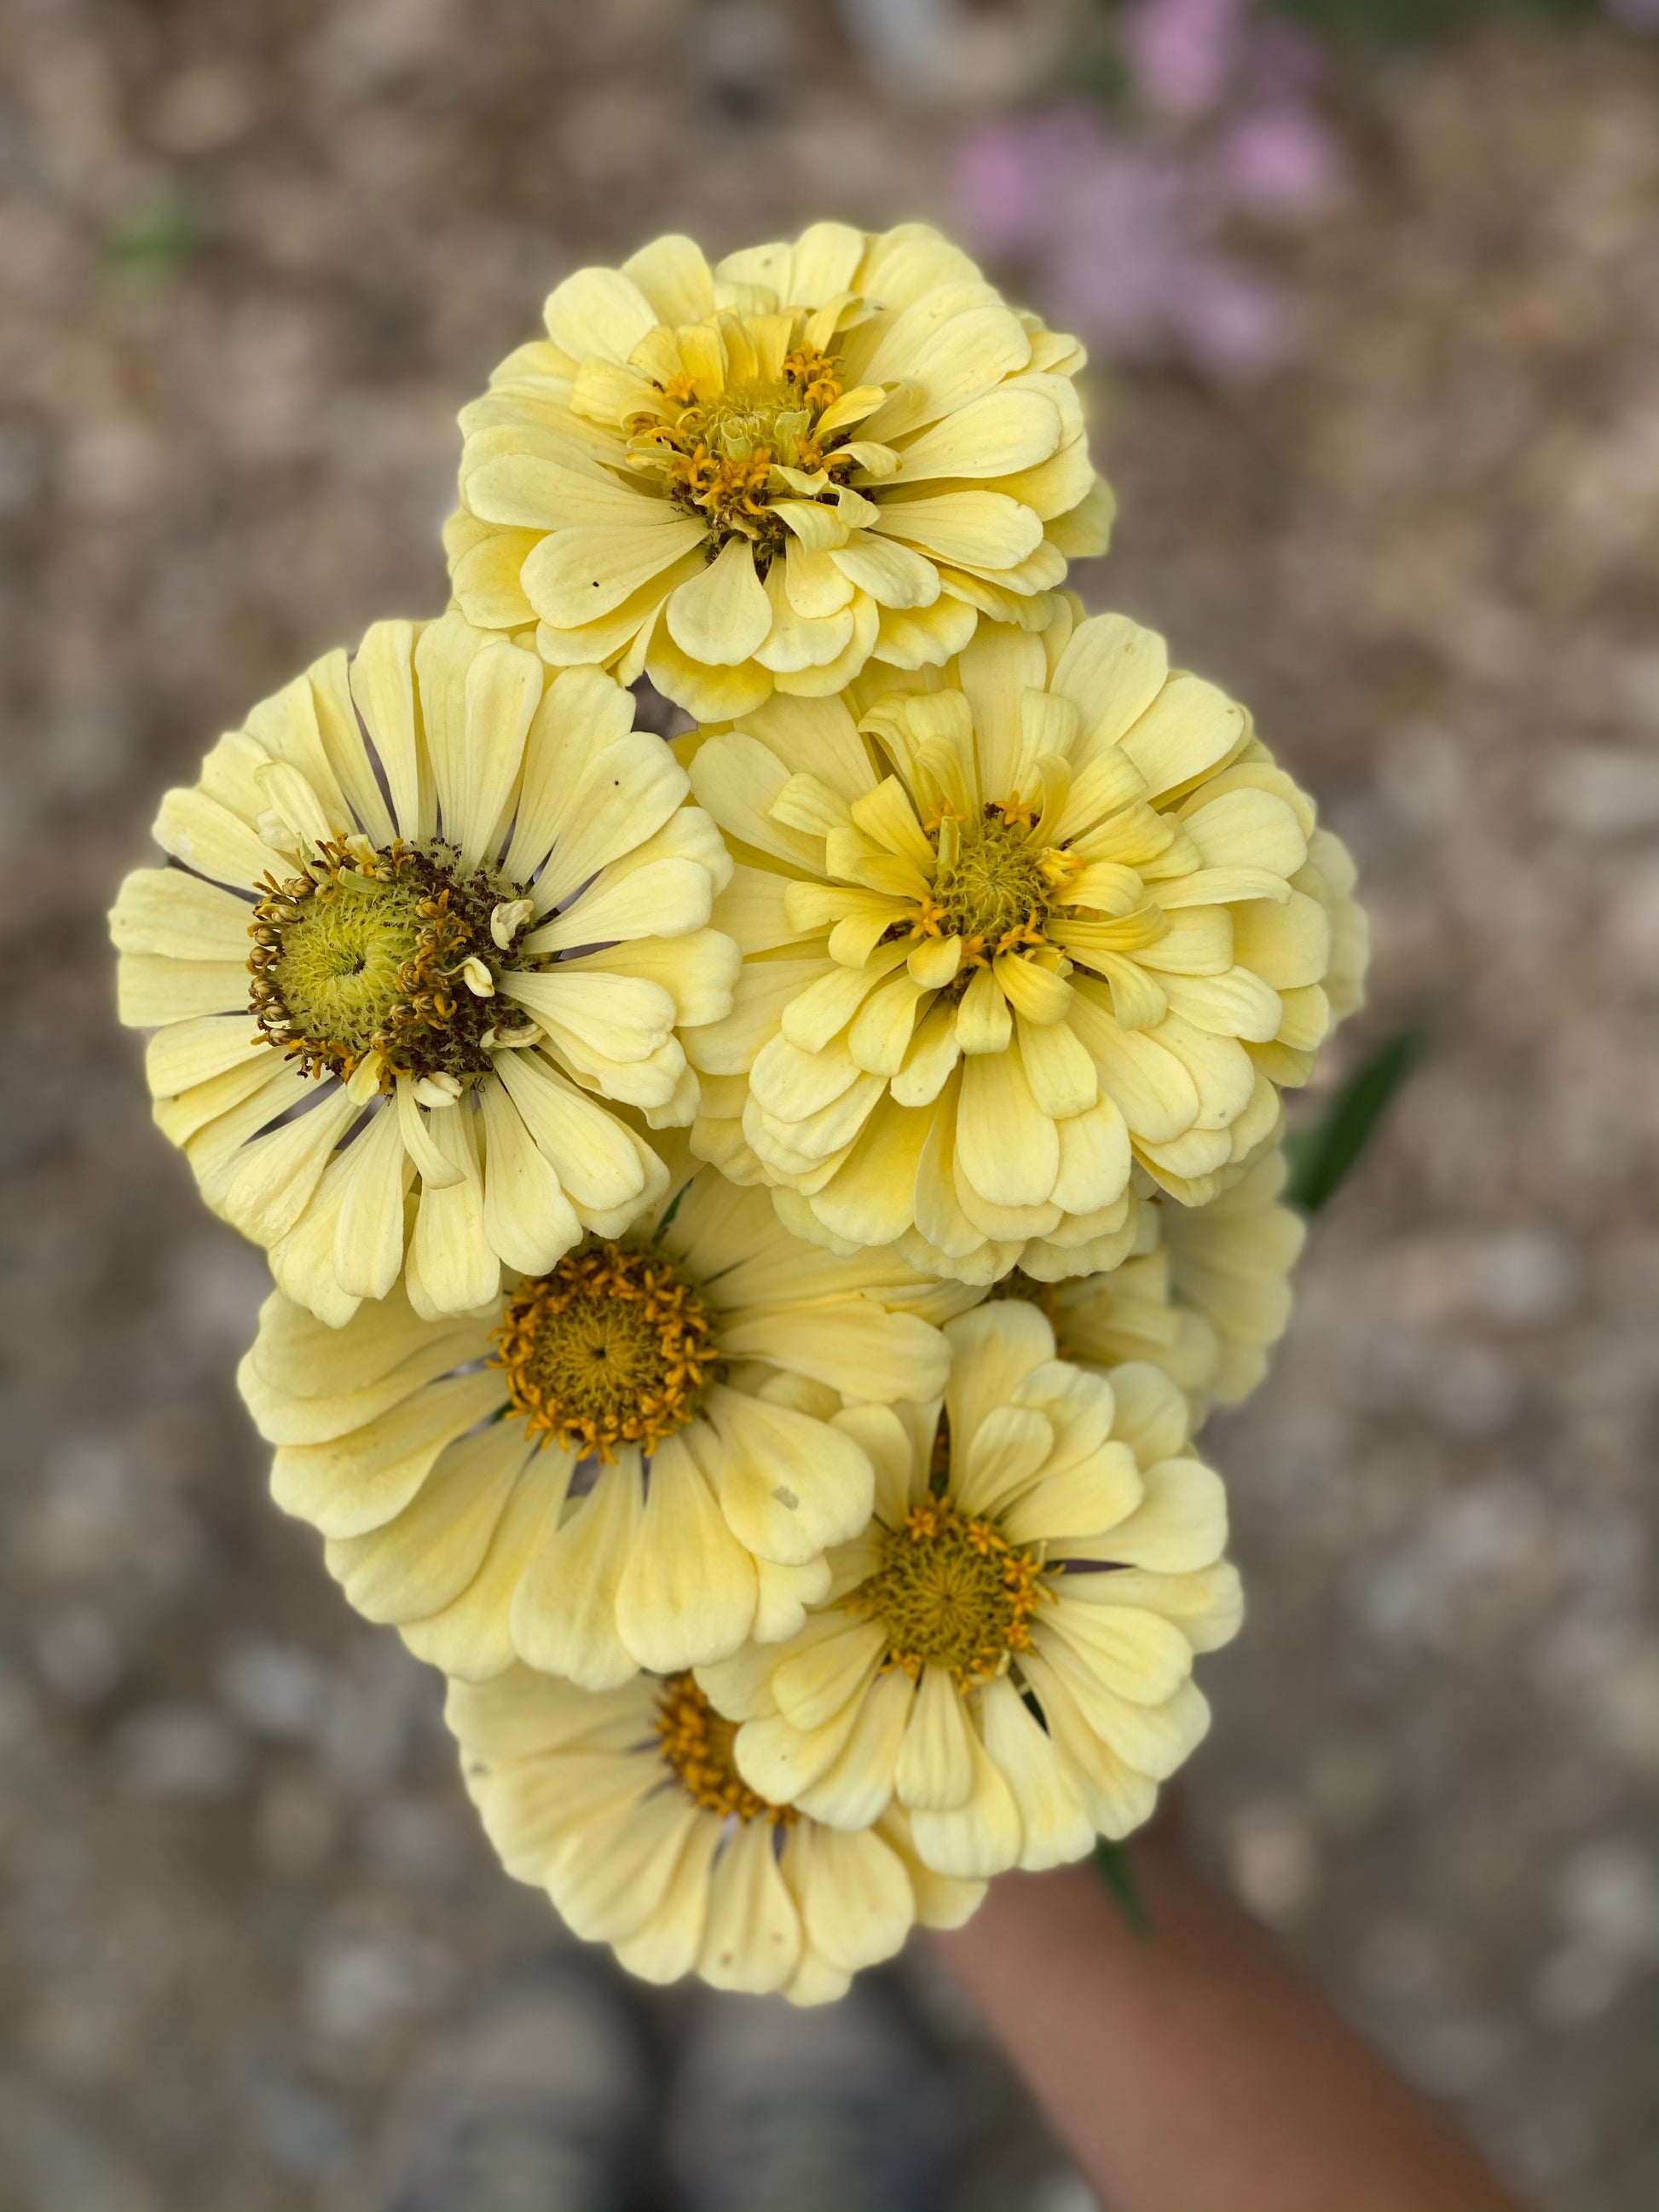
951	1592
384	952
614	1347
696	1742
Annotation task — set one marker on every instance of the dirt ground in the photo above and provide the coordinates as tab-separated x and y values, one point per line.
251	260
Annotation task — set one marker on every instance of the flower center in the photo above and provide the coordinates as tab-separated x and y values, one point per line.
384	952
614	1347
992	888
951	1592
696	1743
719	456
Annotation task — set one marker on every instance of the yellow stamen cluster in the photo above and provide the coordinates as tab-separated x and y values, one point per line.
719	455
992	885
951	1592
364	954
732	493
613	1347
695	1742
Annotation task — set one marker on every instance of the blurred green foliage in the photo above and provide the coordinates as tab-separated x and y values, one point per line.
1112	1865
1323	1153
1382	22
1396	22
151	242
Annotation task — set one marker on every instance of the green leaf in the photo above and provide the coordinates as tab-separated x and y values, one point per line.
669	1211
1112	1864
1322	1155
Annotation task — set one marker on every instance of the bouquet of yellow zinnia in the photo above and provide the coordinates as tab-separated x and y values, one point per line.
757	1222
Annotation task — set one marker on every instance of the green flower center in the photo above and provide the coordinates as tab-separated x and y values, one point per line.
951	1592
614	1347
992	890
386	953
747	417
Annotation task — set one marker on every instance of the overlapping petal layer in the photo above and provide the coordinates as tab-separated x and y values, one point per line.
1007	1652
750	478
622	1804
456	1499
1205	1299
466	902
1009	927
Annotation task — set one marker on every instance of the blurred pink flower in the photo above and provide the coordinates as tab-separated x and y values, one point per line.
1237	325
1279	161
1009	169
1283	60
1118	227
1182	53
1117	237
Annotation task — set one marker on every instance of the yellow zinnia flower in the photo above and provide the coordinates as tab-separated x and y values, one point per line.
429	909
758	476
625	1461
1206	1300
1044	912
624	1806
1007	1649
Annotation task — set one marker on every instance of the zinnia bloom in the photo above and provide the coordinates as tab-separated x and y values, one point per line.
625	1461
428	911
756	476
1034	916
1007	1649
1206	1300
625	1806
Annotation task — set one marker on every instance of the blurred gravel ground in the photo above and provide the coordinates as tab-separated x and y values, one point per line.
250	262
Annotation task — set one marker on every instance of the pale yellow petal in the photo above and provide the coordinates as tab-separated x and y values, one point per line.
936	1768
1007	1147
420	1561
980	1837
855	1896
527	1219
1054	1827
451	1267
751	1941
687	1595
980	529
721	617
789	1485
376	1172
564	1608
359	1482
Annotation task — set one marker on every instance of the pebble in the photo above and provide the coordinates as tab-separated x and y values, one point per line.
178	1750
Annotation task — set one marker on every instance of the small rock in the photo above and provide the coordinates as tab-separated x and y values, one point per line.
276	1690
1524	1276
1605	790
296	1826
422	1844
178	1750
79	1655
357	1986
